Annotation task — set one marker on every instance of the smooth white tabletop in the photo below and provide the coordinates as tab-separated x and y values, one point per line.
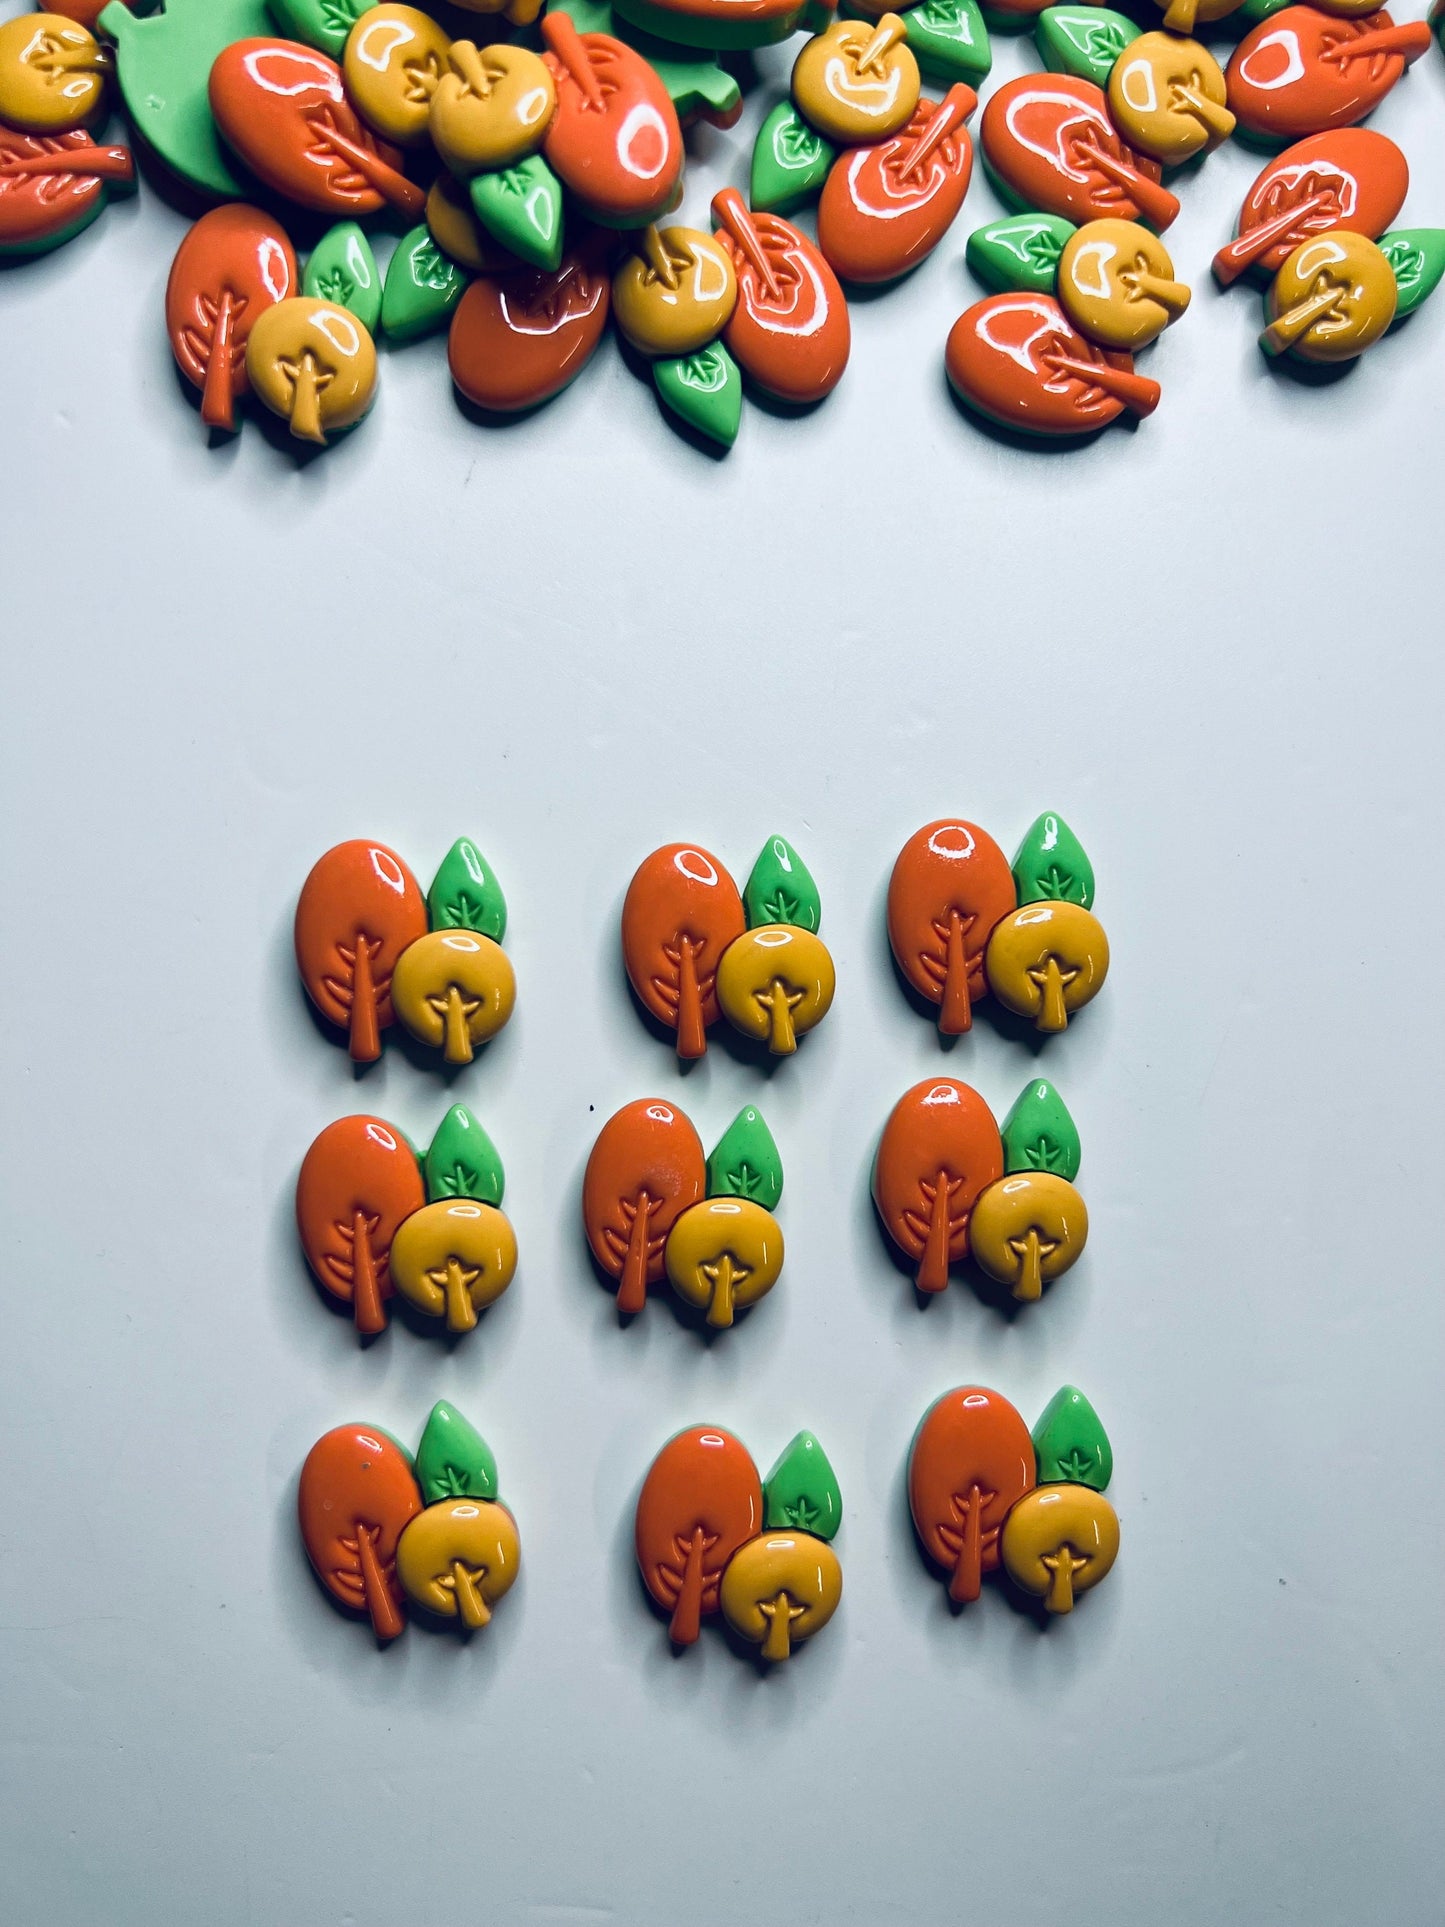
1213	644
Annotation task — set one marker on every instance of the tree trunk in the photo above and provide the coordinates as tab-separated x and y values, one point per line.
686	1621
365	1038
691	1030
932	1274
967	1580
386	1619
366	1305
217	406
632	1291
474	1610
955	1012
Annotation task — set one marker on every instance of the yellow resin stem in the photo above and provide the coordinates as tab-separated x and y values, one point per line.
457	1044
1217	119
720	1306
473	1608
461	1312
782	1040
1285	330
306	401
777	1645
1052	1015
1060	1596
1179	17
1030	1280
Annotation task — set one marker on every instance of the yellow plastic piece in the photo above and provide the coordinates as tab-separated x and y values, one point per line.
675	292
1058	1541
1116	284
1167	98
776	982
395	58
491	108
1182	16
1333	298
312	363
453	1258
521	13
458	1557
725	1254
1047	960
858	81
52	74
1026	1230
455	989
779	1588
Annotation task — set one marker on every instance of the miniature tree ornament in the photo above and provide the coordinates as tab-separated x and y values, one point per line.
358	1184
356	1496
940	1150
232	265
950	885
1030	1226
1049	957
970	1463
644	1171
681	912
359	909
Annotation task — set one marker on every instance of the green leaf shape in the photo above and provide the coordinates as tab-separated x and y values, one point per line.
1039	1134
521	206
699	87
1083	41
463	1161
453	1460
1070	1445
1019	254
802	1491
1253	11
948	39
422	288
343	269
790	162
704	389
465	894
1051	866
163	64
1417	255
319	23
780	888
746	1163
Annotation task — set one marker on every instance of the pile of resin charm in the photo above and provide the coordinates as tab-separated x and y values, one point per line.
529	180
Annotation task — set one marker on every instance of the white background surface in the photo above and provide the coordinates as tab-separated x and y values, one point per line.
1212	644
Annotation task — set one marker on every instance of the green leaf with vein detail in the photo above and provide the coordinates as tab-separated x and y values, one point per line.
1417	255
746	1162
1039	1134
453	1460
319	23
521	206
790	162
462	1161
1051	866
465	894
1019	253
1083	41
949	40
780	888
1070	1445
802	1491
705	390
343	269
422	288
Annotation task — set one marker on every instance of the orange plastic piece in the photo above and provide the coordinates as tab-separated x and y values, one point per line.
700	1501
939	1148
357	1493
950	886
359	909
645	1169
972	1459
358	1181
681	912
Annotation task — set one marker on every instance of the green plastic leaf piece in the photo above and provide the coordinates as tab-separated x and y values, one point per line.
1021	253
163	62
801	1491
1071	1446
1417	254
1083	41
700	88
1051	866
319	23
705	390
342	269
465	894
521	207
790	162
781	888
1253	11
746	1163
453	1460
949	40
463	1161
1040	1135
422	289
